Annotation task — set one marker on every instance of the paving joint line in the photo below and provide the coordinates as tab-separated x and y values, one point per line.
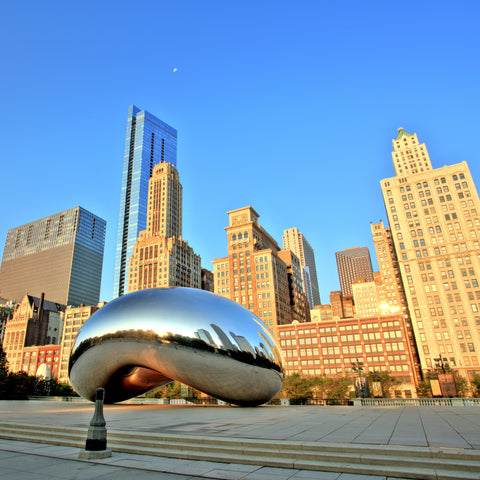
96	462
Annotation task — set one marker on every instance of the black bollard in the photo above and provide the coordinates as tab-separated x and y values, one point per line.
96	443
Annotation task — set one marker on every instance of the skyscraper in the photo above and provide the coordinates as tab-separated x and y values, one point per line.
434	216
161	258
296	242
392	294
353	264
149	141
256	276
60	255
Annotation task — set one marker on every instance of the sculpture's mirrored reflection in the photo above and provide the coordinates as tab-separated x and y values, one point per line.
149	338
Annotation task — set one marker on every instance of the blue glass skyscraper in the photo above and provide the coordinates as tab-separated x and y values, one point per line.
149	141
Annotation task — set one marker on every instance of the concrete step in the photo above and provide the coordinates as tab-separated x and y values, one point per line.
400	462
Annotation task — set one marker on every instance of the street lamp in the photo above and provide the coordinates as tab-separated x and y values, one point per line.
361	383
357	367
441	362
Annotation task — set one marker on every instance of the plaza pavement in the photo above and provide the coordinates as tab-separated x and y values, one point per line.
411	426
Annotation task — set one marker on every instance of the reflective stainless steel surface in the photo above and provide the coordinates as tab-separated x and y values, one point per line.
149	338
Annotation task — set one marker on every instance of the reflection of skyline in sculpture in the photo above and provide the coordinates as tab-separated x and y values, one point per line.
243	343
179	334
224	340
204	335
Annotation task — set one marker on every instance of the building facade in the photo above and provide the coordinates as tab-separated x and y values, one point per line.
60	255
389	282
46	356
353	264
207	280
296	242
73	321
435	225
35	322
160	257
149	141
298	300
253	274
332	347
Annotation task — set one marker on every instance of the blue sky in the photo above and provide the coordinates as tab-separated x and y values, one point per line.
288	107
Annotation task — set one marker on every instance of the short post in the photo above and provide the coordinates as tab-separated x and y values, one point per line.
96	444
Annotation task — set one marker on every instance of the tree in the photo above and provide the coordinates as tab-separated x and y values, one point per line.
20	385
331	387
296	387
3	373
386	380
3	362
423	389
476	385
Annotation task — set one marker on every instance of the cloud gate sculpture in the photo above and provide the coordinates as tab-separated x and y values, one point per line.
149	338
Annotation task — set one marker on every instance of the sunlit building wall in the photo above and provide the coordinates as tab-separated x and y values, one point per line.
35	322
161	258
333	347
296	242
253	274
73	321
435	225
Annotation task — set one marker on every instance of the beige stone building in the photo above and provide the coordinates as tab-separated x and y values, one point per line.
298	299
296	242
254	274
435	228
74	319
161	258
35	321
389	284
366	297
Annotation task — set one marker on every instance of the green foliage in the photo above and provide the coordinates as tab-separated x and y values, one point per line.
462	385
331	387
296	387
20	385
172	390
3	362
300	389
386	380
476	385
424	390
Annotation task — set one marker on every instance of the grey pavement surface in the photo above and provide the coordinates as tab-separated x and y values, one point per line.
446	427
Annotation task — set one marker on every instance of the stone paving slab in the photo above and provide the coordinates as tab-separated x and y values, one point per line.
435	426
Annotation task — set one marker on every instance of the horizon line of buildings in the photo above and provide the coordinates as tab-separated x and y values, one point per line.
419	309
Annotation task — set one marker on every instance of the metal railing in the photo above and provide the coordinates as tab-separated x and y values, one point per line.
419	402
